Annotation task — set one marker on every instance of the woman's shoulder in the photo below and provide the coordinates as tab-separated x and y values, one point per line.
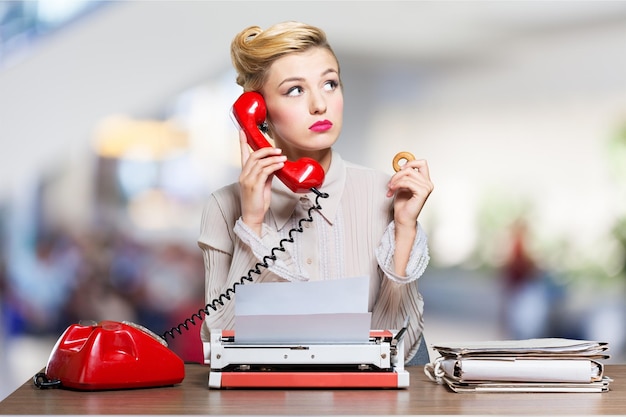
227	198
227	191
218	218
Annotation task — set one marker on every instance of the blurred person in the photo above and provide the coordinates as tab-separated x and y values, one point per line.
368	225
91	293
40	284
520	267
96	298
171	287
525	305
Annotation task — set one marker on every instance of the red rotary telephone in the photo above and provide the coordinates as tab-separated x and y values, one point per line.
300	176
111	355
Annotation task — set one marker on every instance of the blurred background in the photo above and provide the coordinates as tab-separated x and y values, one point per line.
115	130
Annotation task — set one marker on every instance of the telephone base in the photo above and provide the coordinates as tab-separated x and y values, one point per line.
112	355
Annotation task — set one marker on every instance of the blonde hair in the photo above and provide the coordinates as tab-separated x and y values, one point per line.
253	50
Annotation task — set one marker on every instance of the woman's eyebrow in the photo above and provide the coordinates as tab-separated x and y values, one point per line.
301	79
291	79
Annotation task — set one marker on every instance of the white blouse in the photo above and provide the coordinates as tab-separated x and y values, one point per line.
351	235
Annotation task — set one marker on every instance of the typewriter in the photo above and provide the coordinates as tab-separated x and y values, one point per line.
378	363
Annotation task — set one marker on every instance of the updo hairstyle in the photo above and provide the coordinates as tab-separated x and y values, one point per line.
254	50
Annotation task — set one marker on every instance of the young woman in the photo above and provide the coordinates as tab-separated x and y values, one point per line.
368	226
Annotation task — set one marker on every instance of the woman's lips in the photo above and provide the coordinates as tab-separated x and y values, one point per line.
321	126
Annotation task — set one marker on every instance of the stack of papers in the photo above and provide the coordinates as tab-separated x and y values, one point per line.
532	365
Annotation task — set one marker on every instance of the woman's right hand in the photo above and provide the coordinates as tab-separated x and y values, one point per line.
255	181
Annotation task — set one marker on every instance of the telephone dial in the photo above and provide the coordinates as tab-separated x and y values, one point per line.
249	112
117	355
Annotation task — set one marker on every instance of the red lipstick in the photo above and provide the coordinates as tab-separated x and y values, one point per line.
321	126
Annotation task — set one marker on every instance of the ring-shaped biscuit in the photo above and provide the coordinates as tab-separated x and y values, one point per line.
407	156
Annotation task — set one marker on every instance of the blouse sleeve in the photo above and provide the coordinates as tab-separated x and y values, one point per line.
226	260
399	297
284	265
418	259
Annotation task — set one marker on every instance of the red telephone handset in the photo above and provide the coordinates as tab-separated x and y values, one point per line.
300	176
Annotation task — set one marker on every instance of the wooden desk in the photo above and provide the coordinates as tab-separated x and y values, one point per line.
422	397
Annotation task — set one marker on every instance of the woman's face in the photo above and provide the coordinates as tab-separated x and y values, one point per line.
304	102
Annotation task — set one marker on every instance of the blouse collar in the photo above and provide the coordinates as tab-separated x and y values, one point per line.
284	200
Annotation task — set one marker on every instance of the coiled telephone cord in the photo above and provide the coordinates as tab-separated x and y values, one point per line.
256	269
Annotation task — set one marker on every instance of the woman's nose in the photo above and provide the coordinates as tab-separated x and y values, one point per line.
317	104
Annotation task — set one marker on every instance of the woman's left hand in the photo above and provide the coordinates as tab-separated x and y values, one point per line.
411	186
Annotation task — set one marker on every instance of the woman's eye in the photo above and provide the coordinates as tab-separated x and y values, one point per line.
294	91
330	85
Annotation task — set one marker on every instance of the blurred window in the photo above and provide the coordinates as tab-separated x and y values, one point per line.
24	22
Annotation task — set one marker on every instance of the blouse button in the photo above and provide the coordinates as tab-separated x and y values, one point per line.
309	261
